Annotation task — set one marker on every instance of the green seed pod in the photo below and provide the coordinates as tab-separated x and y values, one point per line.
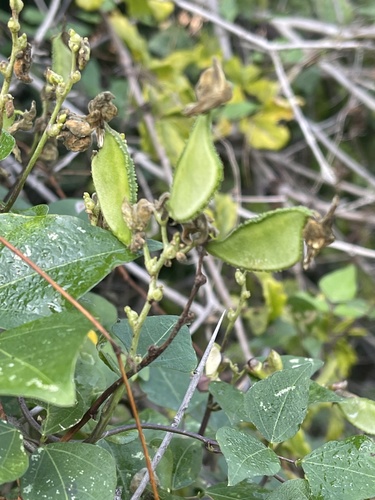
198	173
270	242
114	180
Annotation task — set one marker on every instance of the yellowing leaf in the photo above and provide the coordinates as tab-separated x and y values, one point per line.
264	90
128	32
93	337
89	5
263	132
274	294
160	9
240	74
225	214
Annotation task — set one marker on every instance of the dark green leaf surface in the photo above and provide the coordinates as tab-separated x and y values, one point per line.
294	489
277	405
59	419
75	254
183	464
320	394
13	457
246	456
179	355
70	471
7	143
37	359
230	399
241	491
252	245
167	387
342	470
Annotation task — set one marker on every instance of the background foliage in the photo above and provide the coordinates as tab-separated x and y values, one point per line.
298	130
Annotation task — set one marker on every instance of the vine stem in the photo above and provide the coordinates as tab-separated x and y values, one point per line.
21	181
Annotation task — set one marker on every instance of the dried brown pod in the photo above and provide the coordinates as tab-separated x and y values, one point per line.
212	90
318	233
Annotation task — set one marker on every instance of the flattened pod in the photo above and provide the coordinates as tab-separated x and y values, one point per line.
270	242
114	179
198	173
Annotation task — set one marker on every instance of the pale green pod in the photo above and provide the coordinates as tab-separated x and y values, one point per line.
270	242
198	173
114	179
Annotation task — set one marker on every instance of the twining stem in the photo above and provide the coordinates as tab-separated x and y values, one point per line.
9	70
107	414
39	148
17	188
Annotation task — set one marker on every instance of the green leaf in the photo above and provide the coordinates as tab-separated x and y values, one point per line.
297	361
237	110
70	470
69	206
61	57
167	387
59	419
225	214
7	143
360	412
241	491
291	490
246	456
92	376
277	405
114	179
100	308
13	458
75	254
230	399
183	465
320	394
38	359
342	470
179	355
270	242
335	11
198	173
340	285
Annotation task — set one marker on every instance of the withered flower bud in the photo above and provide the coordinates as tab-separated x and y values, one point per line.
83	56
76	133
27	120
101	109
212	90
318	233
22	64
50	151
